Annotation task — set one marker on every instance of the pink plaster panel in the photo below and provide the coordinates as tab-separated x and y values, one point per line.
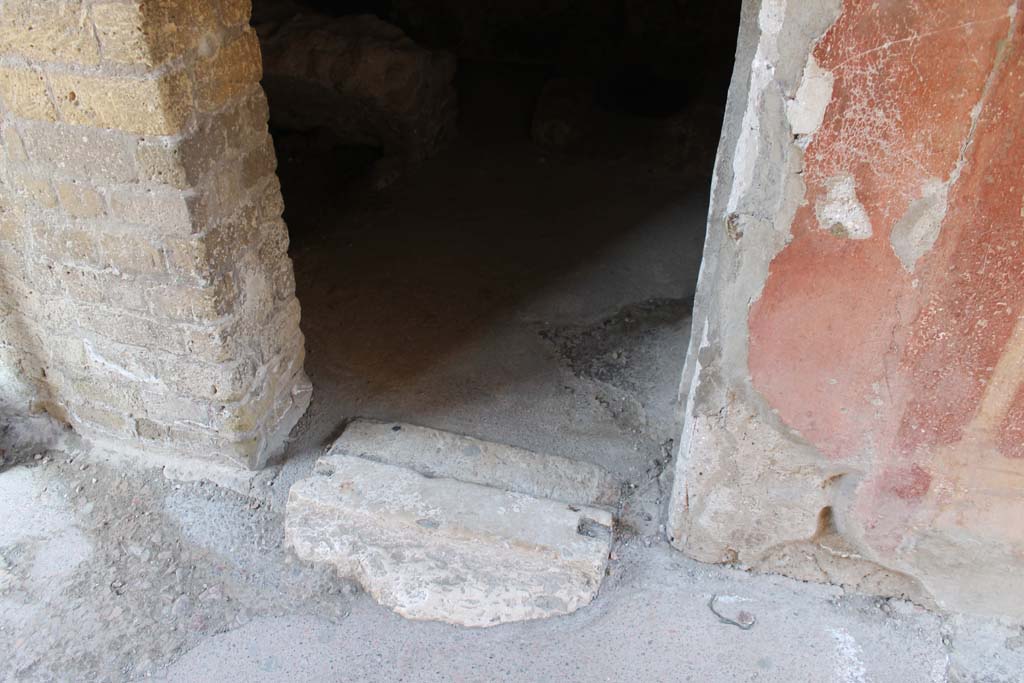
908	374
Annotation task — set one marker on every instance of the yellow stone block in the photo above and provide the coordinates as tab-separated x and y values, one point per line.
37	190
80	201
24	94
235	12
121	30
151	32
230	73
148	106
49	31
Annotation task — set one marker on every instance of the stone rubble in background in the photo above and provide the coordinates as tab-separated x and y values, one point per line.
580	117
362	79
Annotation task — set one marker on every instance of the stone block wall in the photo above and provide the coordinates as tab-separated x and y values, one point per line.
855	381
146	295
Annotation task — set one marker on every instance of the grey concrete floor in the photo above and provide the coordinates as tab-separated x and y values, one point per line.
497	291
652	624
111	575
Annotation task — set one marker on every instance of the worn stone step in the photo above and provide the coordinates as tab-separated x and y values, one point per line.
436	453
448	550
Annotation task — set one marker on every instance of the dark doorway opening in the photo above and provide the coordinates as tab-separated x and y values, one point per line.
497	211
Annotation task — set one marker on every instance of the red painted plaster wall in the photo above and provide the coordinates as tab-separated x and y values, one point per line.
911	375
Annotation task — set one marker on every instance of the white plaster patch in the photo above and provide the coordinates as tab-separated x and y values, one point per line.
686	390
915	233
762	72
99	360
840	211
806	111
772	16
849	665
731	599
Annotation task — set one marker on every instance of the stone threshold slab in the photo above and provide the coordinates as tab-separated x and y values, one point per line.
440	549
436	453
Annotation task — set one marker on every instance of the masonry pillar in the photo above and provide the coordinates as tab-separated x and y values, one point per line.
147	296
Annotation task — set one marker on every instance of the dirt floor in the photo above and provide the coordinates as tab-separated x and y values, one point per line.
500	291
